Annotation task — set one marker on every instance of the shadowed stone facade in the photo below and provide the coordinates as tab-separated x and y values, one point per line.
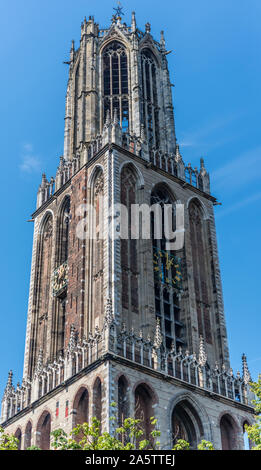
102	325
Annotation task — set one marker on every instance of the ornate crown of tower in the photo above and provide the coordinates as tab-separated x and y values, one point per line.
107	313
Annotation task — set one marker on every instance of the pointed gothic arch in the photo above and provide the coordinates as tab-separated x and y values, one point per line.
97	399
28	435
200	262
186	422
134	168
42	297
229	432
123	400
129	246
167	267
18	435
145	400
81	407
115	84
150	98
43	430
61	268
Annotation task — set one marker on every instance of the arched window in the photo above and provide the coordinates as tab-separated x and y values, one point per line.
129	260
97	399
149	98
144	409
115	83
228	433
81	407
42	290
123	403
60	278
43	431
186	424
98	245
63	232
199	249
28	435
18	435
167	272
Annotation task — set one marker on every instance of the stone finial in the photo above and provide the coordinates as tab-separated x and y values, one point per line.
44	180
142	132
202	358
9	384
203	170
162	40
72	52
178	157
61	162
158	335
133	22
108	118
39	364
72	340
115	117
109	317
148	28
246	373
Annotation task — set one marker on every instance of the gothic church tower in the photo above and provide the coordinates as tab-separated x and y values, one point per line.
125	319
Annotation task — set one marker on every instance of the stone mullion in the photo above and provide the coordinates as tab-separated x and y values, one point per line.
152	103
68	118
145	100
120	90
51	303
133	88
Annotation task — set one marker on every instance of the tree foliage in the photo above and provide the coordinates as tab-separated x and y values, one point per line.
8	441
254	431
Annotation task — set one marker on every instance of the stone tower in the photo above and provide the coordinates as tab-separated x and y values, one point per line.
113	315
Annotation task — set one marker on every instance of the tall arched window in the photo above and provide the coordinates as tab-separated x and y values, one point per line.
42	290
81	407
43	431
60	278
149	99
123	403
199	257
28	435
63	232
18	435
98	246
97	399
129	259
167	273
115	83
186	424
228	433
144	401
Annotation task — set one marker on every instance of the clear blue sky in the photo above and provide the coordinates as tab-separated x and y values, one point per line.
215	65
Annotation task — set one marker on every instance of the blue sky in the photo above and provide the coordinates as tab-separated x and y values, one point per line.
215	66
